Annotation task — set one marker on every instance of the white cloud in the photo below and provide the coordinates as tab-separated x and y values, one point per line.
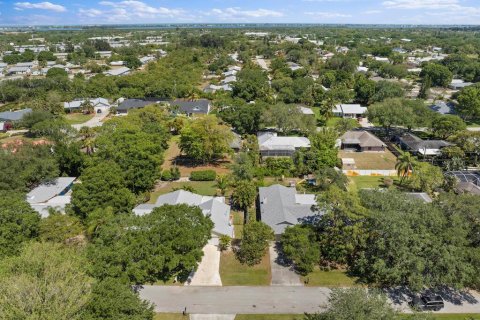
422	4
462	13
40	5
328	15
237	13
129	10
372	12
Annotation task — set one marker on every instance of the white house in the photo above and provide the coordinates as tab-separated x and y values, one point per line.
122	71
271	145
51	195
101	105
349	110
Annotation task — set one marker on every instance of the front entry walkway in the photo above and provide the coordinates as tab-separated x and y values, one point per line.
282	273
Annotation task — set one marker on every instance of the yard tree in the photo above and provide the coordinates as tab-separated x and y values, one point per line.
389	113
387	90
24	166
299	244
46	281
18	222
243	196
251	84
112	299
469	102
242	168
469	142
411	243
56	72
447	125
340	230
158	246
256	236
328	177
322	153
222	183
358	304
439	74
132	62
58	227
405	164
288	118
70	158
102	186
426	177
205	139
364	89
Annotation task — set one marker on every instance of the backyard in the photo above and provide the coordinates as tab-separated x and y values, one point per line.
371	160
233	273
173	157
369	182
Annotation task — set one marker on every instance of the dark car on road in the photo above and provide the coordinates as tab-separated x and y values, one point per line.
427	303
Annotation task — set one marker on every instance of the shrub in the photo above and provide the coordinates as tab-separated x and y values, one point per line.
203	175
388	182
224	242
166	175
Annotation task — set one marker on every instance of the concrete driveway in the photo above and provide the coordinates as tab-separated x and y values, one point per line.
96	121
236	300
207	273
282	273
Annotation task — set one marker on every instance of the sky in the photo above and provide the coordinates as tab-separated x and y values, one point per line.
74	12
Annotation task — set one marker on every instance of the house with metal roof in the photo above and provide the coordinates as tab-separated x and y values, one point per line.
280	207
361	141
458	84
14	116
51	195
416	145
122	71
213	207
349	110
443	107
271	145
101	105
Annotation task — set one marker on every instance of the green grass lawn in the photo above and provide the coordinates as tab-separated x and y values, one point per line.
233	273
367	182
238	222
204	188
77	118
269	317
333	278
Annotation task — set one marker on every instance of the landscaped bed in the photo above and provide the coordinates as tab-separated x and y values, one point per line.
233	273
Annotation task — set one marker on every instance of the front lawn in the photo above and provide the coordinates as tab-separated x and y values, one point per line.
204	188
78	118
332	279
233	273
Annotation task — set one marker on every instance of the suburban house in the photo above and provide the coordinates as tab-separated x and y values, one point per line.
294	66
14	116
361	141
51	195
212	88
458	84
190	108
213	207
443	107
122	71
271	145
101	105
19	70
280	207
306	111
349	110
467	181
104	54
415	145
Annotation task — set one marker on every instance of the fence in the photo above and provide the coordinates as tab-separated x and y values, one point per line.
382	173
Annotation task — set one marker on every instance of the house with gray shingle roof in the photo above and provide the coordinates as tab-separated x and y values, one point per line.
281	207
361	141
14	116
214	207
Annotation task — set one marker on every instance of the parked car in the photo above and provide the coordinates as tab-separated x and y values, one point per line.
427	303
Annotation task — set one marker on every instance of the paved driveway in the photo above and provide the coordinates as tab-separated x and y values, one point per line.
282	275
96	121
236	300
207	273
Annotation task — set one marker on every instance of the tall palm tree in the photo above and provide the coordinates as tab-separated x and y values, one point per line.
87	136
405	164
326	108
222	183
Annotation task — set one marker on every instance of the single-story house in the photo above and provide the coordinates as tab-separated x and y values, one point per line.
101	105
294	66
467	181
201	106
349	110
306	111
271	145
229	79
146	59
212	88
415	145
104	54
229	73
458	84
122	71
361	141
19	70
214	207
443	107
280	207
117	63
14	116
54	195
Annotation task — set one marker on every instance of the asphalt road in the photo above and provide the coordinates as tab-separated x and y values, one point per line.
268	300
236	300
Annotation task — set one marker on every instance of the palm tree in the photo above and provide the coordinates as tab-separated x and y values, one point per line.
405	164
326	108
87	135
222	183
